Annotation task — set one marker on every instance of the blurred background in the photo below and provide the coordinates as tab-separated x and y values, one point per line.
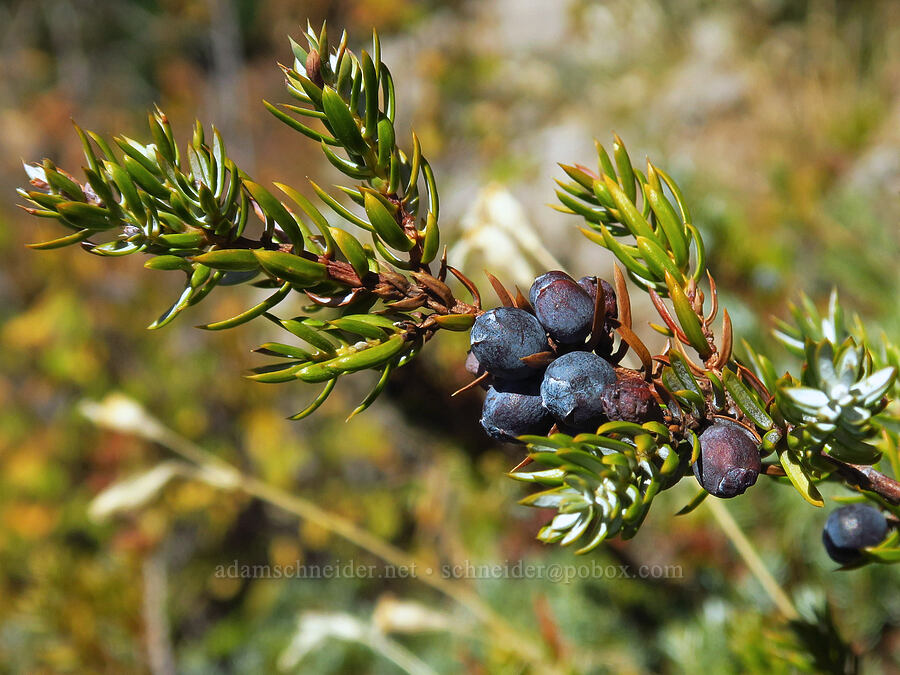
779	118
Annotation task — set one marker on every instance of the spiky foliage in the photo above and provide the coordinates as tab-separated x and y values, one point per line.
824	425
833	404
838	407
602	484
375	303
190	210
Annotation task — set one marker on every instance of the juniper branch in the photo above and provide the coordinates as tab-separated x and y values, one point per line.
823	426
194	219
374	305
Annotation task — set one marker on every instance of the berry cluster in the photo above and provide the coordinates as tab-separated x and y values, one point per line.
553	365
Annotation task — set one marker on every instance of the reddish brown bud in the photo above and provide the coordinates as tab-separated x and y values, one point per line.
314	68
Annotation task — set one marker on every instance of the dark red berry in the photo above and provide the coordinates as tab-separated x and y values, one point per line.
729	460
631	399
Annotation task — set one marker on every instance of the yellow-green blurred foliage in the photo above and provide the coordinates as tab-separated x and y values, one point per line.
781	120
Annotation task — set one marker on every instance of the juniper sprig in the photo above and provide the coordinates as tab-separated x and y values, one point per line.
190	211
602	440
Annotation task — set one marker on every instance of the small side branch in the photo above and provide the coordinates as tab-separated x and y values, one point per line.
869	479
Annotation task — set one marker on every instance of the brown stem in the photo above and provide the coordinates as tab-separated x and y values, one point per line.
867	478
385	285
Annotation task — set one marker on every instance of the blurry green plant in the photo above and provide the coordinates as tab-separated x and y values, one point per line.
374	302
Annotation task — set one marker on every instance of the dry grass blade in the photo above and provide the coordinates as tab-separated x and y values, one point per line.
727	341
697	370
755	382
599	319
468	283
663	312
474	383
538	360
639	348
695	297
521	465
548	626
505	298
663	395
713	298
624	300
522	301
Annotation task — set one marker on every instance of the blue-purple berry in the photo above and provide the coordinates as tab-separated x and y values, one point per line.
565	310
851	528
729	461
514	409
573	388
500	339
545	279
589	284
